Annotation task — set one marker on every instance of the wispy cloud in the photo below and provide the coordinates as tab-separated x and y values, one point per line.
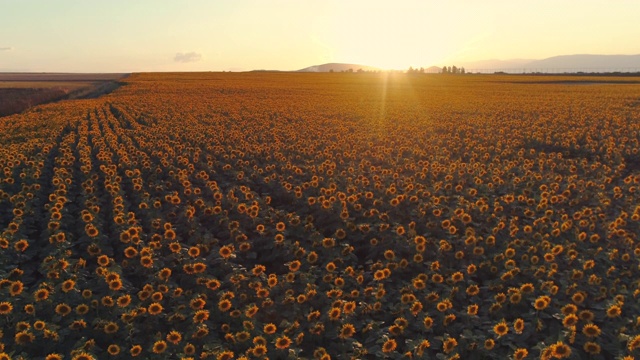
187	57
8	48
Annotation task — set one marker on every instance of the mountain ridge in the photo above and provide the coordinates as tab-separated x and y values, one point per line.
560	63
338	67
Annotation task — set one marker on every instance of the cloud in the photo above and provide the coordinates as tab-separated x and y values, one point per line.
187	57
8	48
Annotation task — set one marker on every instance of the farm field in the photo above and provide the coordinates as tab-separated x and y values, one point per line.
20	91
324	216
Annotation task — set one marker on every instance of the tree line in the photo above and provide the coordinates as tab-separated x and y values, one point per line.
445	70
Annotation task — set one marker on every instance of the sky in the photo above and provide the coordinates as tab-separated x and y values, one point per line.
238	35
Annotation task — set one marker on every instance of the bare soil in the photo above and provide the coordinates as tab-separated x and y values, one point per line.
21	91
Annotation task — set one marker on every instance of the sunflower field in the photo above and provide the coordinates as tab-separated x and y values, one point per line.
324	216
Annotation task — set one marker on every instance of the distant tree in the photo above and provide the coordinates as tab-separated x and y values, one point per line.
330	70
454	70
421	70
449	70
350	70
462	71
444	70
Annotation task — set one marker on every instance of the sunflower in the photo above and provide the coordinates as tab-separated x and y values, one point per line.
449	319
349	307
175	247
107	301
259	350
213	284
146	261
174	337
155	308
294	266
21	245
578	298
124	301
242	336
251	311
471	269
591	330
78	324
170	234
62	309
473	290
389	346
472	310
226	251
449	344
110	327
41	294
29	309
518	326
83	356
378	275
189	349
520	354
24	337
224	305
269	328
283	342
489	344
68	285
541	302
314	315
194	251
560	350
159	347
418	284
634	343
569	309
586	315
5	308
334	313
347	331
395	330
501	328
52	356
570	320
614	311
427	322
592	348
39	325
442	306
200	316
422	346
113	349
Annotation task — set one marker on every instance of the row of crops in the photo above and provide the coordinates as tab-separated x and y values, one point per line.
323	216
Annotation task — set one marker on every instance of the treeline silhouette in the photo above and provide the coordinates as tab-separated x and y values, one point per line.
453	70
445	70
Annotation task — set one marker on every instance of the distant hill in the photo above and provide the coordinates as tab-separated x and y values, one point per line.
563	63
586	62
558	64
338	67
496	64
